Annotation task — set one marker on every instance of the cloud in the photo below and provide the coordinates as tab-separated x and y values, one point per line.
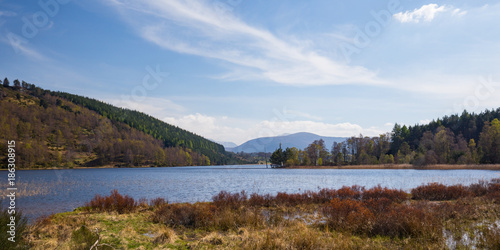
198	28
156	107
210	127
233	130
21	46
424	122
426	13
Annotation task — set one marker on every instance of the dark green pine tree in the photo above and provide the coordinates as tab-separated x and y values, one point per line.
279	157
17	84
6	82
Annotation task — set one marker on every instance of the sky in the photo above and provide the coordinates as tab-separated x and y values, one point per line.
234	70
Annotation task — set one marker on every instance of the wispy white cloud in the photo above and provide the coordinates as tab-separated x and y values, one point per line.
21	46
437	85
426	13
198	28
216	128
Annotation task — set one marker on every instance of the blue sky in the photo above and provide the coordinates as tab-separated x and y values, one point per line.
234	70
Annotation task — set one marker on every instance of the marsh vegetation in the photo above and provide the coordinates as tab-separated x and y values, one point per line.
430	216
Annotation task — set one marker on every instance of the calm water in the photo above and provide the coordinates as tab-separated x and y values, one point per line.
52	191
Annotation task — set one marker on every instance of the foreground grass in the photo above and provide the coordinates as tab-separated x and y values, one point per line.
432	216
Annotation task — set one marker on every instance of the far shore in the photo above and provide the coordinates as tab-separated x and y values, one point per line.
381	166
406	166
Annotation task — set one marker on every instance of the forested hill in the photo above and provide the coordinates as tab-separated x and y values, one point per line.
55	129
468	138
466	126
171	136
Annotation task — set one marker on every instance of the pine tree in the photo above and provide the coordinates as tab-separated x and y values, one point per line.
6	82
17	84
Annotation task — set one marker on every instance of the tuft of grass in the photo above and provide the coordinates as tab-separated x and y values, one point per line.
83	238
165	236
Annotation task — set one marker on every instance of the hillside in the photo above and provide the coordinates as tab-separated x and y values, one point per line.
269	144
55	129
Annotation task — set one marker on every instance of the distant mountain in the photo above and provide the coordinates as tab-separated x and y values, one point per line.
269	144
226	144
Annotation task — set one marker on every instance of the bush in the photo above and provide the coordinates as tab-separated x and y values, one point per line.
353	192
348	216
378	205
114	202
323	196
291	199
479	189
205	216
391	194
257	200
157	202
237	200
494	196
439	192
199	215
226	199
381	216
401	221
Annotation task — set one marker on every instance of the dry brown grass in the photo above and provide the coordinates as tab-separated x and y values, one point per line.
122	231
165	236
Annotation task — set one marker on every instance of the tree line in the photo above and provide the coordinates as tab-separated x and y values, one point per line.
466	139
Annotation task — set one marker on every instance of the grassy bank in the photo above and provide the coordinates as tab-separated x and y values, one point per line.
407	166
431	216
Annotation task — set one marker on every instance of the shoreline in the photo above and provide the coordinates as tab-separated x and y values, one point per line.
406	166
361	167
66	168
